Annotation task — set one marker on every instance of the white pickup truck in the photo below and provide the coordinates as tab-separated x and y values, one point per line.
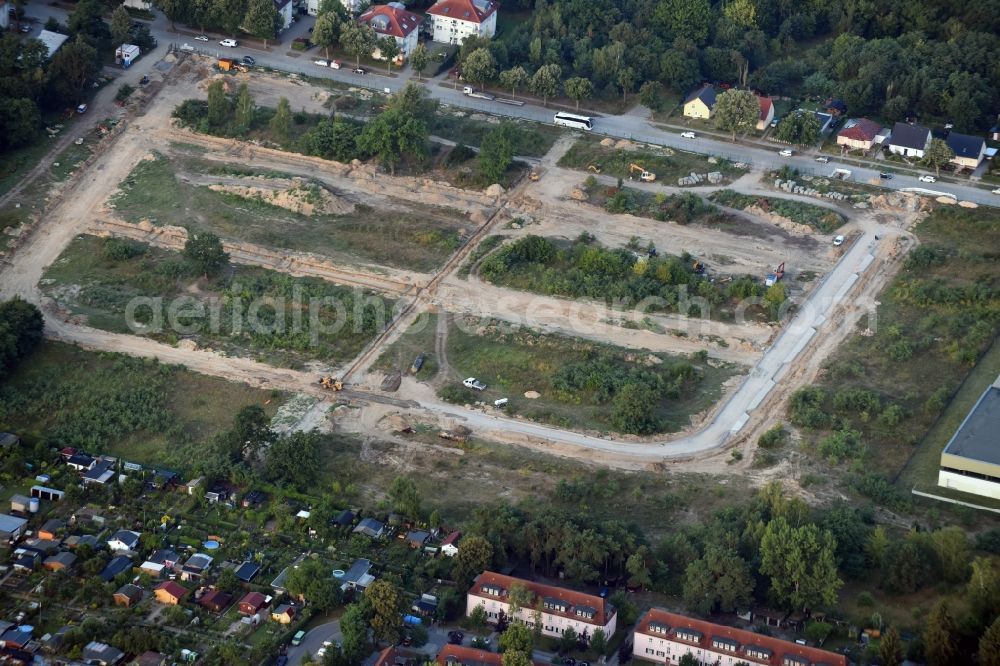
474	383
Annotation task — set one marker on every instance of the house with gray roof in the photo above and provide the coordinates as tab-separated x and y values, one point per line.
370	528
909	140
969	150
101	654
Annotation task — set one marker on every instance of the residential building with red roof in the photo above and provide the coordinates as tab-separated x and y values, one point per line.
252	602
459	655
449	547
392	20
454	20
859	134
561	608
664	637
766	112
169	592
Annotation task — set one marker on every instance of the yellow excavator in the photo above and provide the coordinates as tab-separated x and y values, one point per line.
645	176
594	167
330	384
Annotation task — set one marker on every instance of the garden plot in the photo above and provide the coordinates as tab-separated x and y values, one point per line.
289	212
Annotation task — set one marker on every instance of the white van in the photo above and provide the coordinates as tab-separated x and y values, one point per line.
787	152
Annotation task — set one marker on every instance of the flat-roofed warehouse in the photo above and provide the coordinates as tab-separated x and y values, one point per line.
971	461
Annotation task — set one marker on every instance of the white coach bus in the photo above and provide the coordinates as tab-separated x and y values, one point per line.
573	120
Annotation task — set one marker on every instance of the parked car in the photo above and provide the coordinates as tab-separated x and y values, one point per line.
282	660
927	179
358	70
823	159
81	108
25	29
201	38
688	135
231	43
996	191
455	637
321	63
335	64
838	241
885	176
474	383
250	62
774	123
787	152
569	661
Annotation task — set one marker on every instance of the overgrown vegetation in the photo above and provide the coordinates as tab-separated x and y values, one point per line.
885	389
581	383
667	164
817	217
583	268
684	208
245	310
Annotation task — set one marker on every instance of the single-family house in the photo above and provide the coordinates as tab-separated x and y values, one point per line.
969	150
76	540
247	571
160	561
164	478
124	540
392	20
286	9
217	493
64	561
52	41
357	577
664	638
700	103
170	593
766	105
454	20
215	601
909	140
835	107
417	538
81	462
26	559
449	547
128	595
118	564
11	527
101	654
251	603
51	529
284	614
196	567
370	528
16	637
101	473
859	134
561	608
150	658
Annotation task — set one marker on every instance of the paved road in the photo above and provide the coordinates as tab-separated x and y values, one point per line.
313	641
629	126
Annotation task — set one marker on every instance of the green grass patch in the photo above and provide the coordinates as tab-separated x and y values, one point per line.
417	340
530	139
667	164
683	208
405	235
817	217
139	409
582	384
624	277
485	246
245	311
891	382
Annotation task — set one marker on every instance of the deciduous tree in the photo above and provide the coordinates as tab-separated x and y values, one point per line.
263	20
218	105
736	111
940	633
21	327
474	556
496	152
204	251
121	24
989	645
281	121
405	497
800	128
326	31
890	648
800	562
937	155
244	111
514	78
578	89
386	603
719	581
392	134
388	49
419	60
358	40
479	67
545	82
294	460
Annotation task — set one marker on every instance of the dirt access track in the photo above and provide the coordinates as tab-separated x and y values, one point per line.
822	321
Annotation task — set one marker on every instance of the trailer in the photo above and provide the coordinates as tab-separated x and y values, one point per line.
469	91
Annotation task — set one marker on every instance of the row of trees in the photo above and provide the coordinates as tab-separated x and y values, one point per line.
21	327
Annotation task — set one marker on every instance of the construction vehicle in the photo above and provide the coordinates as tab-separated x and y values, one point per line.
775	277
534	176
698	267
228	65
645	176
331	384
594	167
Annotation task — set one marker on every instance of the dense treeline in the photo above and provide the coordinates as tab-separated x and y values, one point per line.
21	327
32	85
585	269
890	58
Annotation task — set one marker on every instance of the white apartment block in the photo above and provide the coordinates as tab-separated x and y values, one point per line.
454	20
353	6
664	638
561	608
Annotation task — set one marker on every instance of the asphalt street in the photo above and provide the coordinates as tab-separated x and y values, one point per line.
634	127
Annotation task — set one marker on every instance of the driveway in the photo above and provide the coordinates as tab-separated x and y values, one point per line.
313	641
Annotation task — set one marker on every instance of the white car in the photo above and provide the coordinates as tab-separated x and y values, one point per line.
201	38
81	108
787	152
321	63
996	191
231	43
335	64
927	179
838	241
823	159
474	383
688	135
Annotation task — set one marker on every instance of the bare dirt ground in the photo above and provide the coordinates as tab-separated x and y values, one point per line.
862	271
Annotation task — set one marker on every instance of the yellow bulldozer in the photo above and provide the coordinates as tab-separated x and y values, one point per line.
330	384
